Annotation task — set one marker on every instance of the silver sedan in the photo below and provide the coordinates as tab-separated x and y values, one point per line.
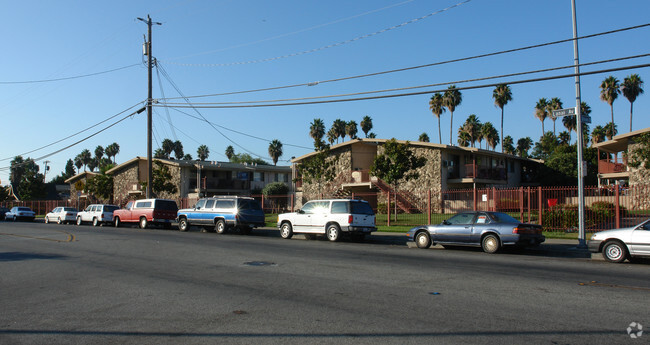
620	244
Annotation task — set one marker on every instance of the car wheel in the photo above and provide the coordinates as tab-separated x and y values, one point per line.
422	240
116	222
333	232
220	226
95	222
47	221
183	225
78	220
490	244
143	223
615	251
286	231
58	221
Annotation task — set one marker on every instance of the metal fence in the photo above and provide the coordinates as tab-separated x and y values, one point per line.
555	208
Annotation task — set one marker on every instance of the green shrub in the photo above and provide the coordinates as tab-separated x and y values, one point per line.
561	216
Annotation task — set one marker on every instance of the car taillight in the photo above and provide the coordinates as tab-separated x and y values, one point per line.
519	230
350	219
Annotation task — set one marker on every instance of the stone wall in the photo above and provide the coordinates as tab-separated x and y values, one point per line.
639	181
341	160
123	182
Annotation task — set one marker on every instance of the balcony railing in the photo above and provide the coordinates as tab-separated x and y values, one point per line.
482	172
607	167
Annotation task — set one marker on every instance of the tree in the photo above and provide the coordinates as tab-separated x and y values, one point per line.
508	145
317	130
275	150
78	162
564	137
437	108
230	152
187	157
99	153
631	88
570	123
203	152
541	111
502	95
523	145
464	138
318	168
545	146
372	135
101	185
554	104
423	138
178	150
472	127
247	158
338	126
69	170
641	155
93	163
351	129
609	91
611	130
162	180
332	136
490	134
598	134
366	125
27	182
86	158
452	98
159	153
112	150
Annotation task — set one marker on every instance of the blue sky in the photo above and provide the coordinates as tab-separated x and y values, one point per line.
212	47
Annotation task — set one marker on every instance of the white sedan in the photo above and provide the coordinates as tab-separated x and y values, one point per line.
620	244
61	215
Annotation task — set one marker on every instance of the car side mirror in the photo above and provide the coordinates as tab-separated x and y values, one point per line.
300	211
444	222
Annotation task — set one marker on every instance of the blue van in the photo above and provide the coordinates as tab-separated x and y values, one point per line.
222	213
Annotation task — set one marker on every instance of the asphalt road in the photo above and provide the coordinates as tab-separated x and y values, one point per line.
67	284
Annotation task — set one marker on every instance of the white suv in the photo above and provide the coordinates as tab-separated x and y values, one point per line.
330	217
97	214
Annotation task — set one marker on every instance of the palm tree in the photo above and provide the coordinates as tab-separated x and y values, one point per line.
203	152
523	145
541	111
437	108
317	130
332	136
570	123
472	126
451	99
610	130
508	145
78	162
554	104
178	150
366	125
112	150
502	95
490	134
609	91
339	128
632	87
99	152
351	129
463	138
86	158
275	150
230	152
598	134
564	137
159	153
424	137
187	157
93	163
167	148
372	135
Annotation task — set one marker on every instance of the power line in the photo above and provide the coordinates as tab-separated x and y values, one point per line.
501	52
330	45
68	78
407	94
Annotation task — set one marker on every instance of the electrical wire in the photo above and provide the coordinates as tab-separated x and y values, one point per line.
407	94
330	45
68	78
501	52
162	92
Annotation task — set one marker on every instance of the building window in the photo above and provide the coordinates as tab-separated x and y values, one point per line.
258	176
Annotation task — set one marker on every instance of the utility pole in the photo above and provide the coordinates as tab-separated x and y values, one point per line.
582	241
147	51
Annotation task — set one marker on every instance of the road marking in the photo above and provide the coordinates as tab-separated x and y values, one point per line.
595	283
70	237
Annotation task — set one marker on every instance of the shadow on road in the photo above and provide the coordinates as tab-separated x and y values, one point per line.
19	256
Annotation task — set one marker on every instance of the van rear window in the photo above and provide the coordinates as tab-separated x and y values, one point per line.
361	208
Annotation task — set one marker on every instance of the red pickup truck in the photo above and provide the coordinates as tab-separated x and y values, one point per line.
146	212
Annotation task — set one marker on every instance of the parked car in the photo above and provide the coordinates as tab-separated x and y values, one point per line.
620	244
3	210
97	214
20	213
330	217
61	215
488	230
146	212
222	213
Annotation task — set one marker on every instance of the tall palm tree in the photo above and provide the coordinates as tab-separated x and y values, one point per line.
332	136
436	105
178	150
230	152
541	111
451	99
523	145
366	125
275	150
508	145
86	158
351	129
78	162
609	91
424	137
611	130
570	123
554	104
632	87
112	150
598	134
502	95
317	130
490	134
564	137
339	129
99	152
463	138
167	147
472	126
203	152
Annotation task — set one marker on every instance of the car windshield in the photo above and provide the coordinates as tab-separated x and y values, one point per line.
503	218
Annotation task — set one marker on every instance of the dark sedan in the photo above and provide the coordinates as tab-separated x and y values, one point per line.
488	230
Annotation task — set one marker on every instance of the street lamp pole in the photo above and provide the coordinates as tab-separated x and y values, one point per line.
581	166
